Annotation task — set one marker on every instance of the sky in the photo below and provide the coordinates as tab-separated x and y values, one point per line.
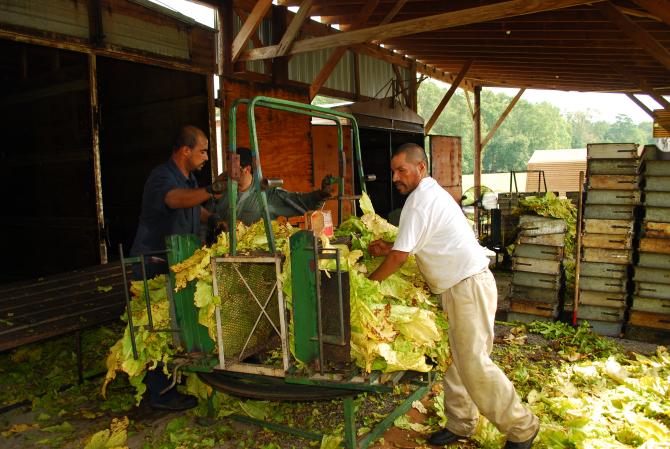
601	106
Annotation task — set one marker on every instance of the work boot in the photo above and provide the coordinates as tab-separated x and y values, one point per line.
444	437
524	444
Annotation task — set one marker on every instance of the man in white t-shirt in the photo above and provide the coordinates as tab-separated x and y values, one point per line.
434	229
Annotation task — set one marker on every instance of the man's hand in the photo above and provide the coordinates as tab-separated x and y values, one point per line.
219	185
379	248
328	184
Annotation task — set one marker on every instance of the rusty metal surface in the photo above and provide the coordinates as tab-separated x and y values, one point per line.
56	305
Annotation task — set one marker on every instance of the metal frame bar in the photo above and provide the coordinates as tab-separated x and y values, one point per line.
287	106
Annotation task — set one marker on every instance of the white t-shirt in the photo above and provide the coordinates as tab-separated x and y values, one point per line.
434	229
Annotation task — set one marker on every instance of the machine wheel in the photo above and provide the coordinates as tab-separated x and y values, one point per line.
269	388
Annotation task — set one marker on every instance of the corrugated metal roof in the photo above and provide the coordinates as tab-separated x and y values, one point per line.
304	67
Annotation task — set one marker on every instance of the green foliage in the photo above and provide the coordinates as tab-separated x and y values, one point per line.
528	127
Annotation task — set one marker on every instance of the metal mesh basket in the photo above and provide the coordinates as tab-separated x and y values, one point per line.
249	305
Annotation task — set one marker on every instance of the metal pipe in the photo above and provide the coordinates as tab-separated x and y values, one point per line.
319	321
146	293
129	311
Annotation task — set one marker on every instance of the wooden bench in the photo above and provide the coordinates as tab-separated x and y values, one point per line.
32	311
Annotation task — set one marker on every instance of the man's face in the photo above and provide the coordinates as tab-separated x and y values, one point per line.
406	174
199	155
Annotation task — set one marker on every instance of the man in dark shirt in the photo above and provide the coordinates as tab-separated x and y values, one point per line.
281	203
171	205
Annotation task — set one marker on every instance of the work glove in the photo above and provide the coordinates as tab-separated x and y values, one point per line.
328	184
218	186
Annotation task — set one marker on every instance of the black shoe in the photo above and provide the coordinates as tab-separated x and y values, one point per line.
523	445
174	402
444	437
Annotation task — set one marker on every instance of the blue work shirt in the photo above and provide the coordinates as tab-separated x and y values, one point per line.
157	220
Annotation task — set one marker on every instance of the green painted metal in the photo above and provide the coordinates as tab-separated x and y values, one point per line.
380	428
349	423
278	427
193	335
303	266
288	106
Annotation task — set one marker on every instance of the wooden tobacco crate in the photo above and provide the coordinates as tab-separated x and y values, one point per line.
602	299
547	310
543	239
614	197
616	256
657	183
656	168
525	293
613	182
657	199
589	312
607	241
536	265
598	284
611	151
655	245
654	260
647	319
538	280
607	328
532	225
657	275
651	305
647	334
598	226
539	251
657	214
656	230
604	270
652	290
612	167
609	212
526	317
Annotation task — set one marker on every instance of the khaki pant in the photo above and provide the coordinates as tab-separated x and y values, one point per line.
473	383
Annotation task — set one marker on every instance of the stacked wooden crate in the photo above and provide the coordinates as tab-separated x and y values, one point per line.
650	310
612	198
537	280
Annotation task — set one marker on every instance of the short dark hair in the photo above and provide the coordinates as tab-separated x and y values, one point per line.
413	152
245	156
187	137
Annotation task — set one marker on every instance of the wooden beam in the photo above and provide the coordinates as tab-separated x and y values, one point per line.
335	57
659	8
294	28
647	89
477	169
641	105
447	97
636	33
469	103
255	40
95	146
249	27
637	13
452	19
392	13
502	117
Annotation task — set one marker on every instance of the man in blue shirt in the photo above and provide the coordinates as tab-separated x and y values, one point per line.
171	205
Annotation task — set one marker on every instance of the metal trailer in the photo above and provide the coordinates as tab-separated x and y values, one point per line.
253	315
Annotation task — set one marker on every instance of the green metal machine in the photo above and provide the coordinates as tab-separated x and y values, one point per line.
254	318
